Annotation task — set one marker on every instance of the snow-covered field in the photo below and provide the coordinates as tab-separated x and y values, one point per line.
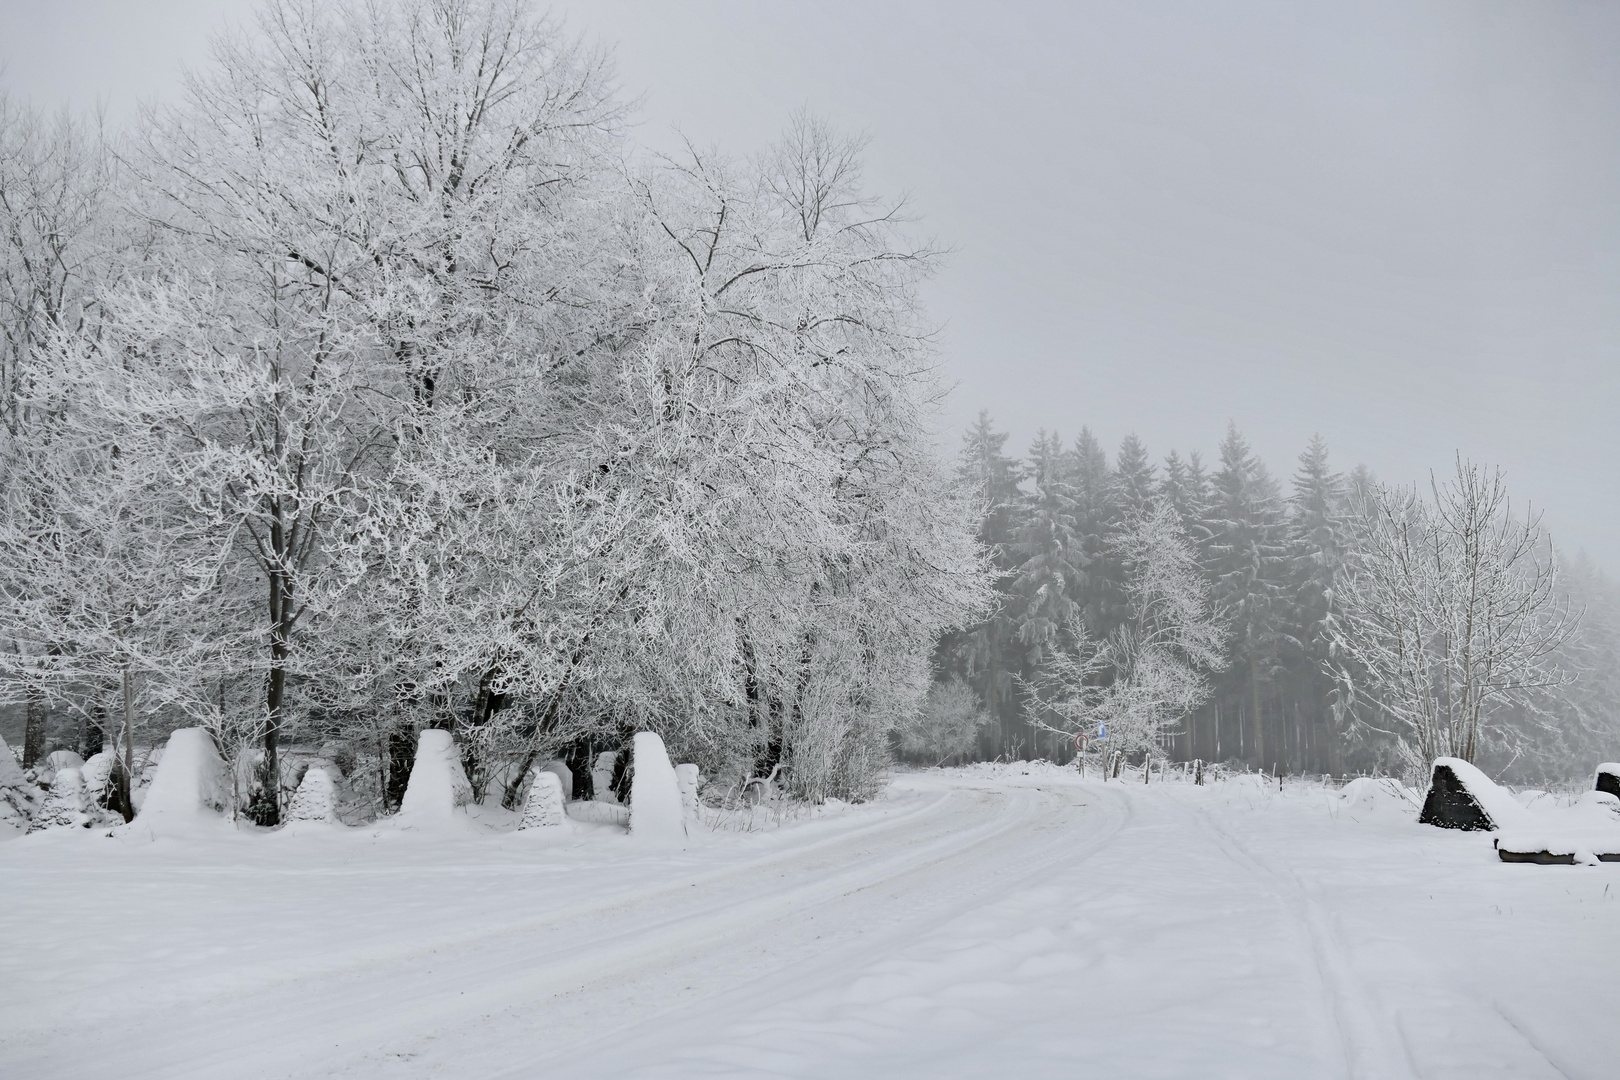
995	921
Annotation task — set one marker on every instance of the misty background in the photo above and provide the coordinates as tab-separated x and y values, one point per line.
1394	224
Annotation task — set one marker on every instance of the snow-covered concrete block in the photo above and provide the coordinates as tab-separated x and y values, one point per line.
57	760
190	785
543	808
689	779
316	797
1462	797
602	776
655	795
97	772
1608	778
565	776
64	806
438	785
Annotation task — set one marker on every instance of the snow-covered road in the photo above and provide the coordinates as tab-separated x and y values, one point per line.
974	923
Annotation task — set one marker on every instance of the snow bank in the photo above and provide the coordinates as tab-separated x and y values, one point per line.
1608	778
565	776
543	808
1462	797
316	797
689	779
655	795
438	786
190	788
1378	796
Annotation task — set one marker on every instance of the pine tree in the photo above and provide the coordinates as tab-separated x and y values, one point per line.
986	654
1087	475
1248	558
1317	543
1134	481
1051	561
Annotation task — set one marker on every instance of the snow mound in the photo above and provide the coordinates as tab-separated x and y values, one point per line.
1608	778
1462	797
190	787
438	786
1378	795
602	776
17	795
689	779
11	774
316	797
544	806
655	795
1554	846
64	807
57	760
565	776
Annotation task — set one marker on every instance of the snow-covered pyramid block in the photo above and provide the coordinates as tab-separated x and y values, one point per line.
655	795
689	779
1608	778
64	807
316	797
190	787
438	787
97	772
17	796
544	806
602	776
1462	797
565	776
57	760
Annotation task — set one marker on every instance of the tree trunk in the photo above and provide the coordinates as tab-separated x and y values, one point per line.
35	715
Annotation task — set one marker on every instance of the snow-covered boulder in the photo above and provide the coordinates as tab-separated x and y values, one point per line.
316	797
655	795
602	776
544	806
1608	778
689	779
1462	797
565	776
438	786
190	787
64	806
57	760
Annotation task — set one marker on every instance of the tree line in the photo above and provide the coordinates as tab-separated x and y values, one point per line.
383	383
1330	625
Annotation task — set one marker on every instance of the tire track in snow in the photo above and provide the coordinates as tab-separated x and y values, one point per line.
1346	1002
390	996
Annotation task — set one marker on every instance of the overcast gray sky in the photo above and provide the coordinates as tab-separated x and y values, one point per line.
1397	224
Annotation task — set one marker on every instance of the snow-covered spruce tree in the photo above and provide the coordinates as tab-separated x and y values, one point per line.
1452	616
984	653
1319	539
1247	557
1153	670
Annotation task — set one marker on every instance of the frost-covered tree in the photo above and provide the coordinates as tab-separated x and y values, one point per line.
1452	615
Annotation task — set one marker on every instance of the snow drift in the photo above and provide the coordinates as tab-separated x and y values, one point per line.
316	797
544	806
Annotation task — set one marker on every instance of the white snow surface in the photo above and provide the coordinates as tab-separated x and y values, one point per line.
1498	803
189	790
316	797
656	813
565	776
438	787
997	920
11	774
57	760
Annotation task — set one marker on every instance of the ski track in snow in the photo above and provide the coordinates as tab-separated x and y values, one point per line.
978	922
